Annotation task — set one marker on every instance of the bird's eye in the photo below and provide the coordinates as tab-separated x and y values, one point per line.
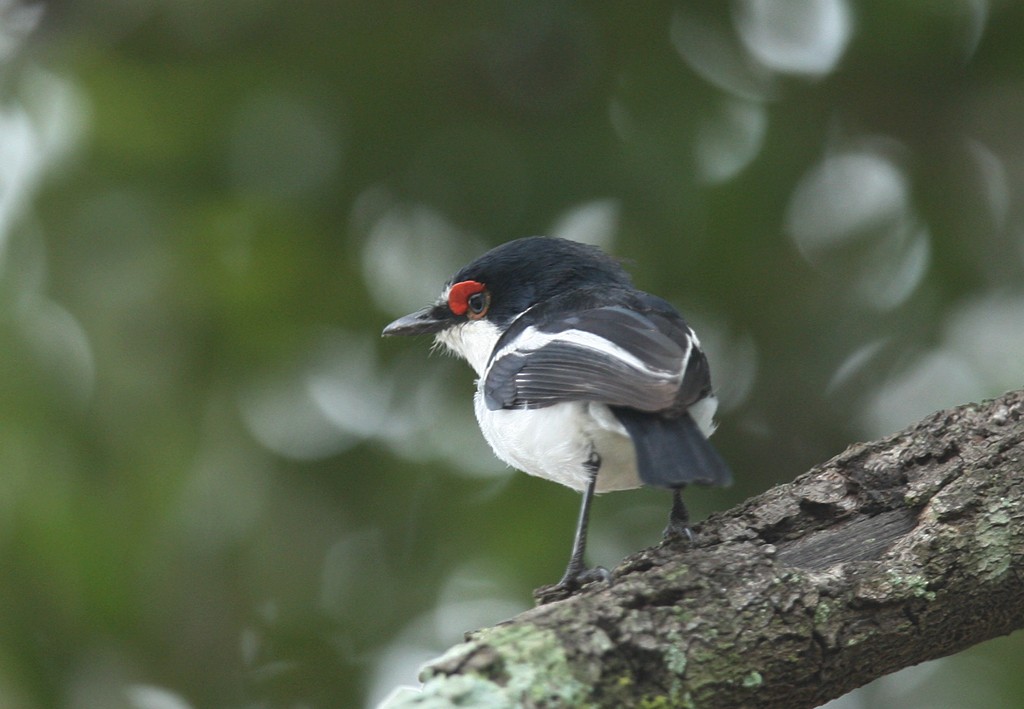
478	304
469	298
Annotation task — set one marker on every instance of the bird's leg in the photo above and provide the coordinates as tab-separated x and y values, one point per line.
576	573
679	518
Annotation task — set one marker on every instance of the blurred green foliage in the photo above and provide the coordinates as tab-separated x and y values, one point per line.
217	488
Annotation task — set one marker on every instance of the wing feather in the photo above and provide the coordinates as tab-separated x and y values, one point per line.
612	355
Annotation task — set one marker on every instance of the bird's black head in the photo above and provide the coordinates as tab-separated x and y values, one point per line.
510	278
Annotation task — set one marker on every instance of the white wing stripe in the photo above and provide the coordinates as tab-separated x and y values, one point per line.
532	339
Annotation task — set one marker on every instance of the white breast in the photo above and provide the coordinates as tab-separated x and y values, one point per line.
555	443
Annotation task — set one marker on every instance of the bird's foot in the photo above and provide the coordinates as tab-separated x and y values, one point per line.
675	530
679	520
573	581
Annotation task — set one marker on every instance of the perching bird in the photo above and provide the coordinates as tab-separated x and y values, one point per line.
582	378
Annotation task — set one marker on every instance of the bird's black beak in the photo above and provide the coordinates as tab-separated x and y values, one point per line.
428	321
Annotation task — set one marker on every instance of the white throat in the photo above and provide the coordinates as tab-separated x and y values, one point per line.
473	340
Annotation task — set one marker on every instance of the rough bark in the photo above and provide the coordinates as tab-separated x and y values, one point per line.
894	552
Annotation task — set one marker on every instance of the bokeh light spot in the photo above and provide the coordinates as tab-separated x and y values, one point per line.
843	197
144	696
712	51
61	348
409	254
798	36
989	332
593	223
851	217
730	139
935	380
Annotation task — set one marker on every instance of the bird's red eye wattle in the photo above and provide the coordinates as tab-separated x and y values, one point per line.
469	298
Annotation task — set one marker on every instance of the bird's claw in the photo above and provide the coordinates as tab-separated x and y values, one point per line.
679	531
570	584
598	573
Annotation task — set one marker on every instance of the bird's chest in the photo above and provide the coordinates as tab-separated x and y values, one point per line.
555	442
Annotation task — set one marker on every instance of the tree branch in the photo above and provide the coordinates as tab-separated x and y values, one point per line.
892	553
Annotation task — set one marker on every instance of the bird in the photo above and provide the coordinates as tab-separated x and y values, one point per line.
582	378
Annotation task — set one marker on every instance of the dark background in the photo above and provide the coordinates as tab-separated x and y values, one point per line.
220	488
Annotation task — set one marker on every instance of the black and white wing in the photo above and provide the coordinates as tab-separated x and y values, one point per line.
646	365
648	361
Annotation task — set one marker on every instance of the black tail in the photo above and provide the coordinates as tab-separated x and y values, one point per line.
672	452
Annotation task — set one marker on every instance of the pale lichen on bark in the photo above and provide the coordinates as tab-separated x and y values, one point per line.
893	552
